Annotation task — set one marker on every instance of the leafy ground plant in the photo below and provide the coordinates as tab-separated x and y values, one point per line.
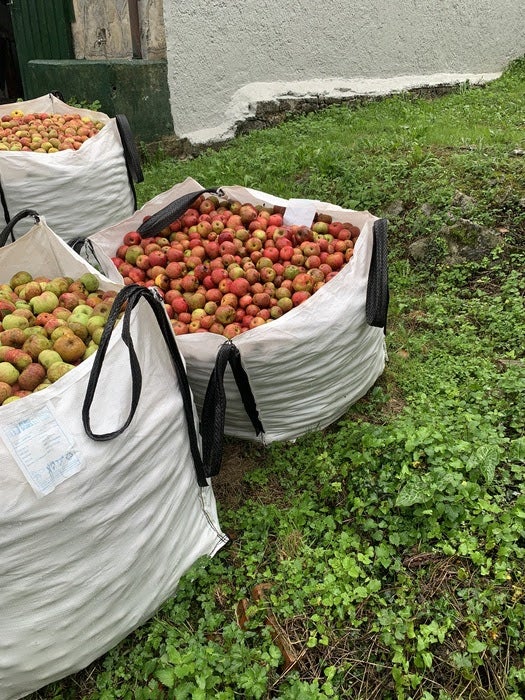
382	558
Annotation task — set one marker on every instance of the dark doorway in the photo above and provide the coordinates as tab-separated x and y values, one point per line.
10	79
29	30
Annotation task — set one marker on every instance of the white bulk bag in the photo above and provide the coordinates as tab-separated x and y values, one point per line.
307	367
101	538
77	191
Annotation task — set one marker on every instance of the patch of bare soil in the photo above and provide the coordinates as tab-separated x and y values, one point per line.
239	458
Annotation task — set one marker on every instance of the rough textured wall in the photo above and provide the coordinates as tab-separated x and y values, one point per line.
102	29
226	56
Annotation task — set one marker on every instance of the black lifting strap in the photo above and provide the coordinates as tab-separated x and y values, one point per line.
3	202
128	297
8	230
214	407
84	247
77	243
131	154
377	293
168	214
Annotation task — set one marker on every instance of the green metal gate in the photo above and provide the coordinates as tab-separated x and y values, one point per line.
42	29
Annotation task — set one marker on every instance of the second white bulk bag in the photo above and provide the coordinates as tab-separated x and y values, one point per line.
307	367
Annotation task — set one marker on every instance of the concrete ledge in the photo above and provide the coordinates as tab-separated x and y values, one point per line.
251	102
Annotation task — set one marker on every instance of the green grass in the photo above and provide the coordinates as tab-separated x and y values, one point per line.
393	542
404	148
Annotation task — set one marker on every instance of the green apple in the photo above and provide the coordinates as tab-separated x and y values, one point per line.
58	369
58	285
35	330
45	302
26	313
91	348
19	278
97	335
8	373
95	322
83	309
78	317
59	331
90	281
48	357
43	385
12	321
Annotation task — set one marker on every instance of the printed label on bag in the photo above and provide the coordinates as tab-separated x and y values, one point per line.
299	212
42	449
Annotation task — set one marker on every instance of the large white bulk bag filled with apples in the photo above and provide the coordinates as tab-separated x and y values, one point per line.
104	502
78	191
307	367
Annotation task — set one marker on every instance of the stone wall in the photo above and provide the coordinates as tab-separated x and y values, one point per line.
102	29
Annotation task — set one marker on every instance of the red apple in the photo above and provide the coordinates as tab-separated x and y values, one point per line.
132	238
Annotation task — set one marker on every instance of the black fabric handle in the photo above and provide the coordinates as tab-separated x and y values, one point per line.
131	155
172	211
3	201
377	293
8	230
214	407
84	247
128	297
77	243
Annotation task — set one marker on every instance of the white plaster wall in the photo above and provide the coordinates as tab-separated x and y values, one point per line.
224	56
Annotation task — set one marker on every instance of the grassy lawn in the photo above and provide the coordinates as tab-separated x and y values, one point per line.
393	543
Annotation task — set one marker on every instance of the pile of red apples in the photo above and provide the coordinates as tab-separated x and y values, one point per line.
227	267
